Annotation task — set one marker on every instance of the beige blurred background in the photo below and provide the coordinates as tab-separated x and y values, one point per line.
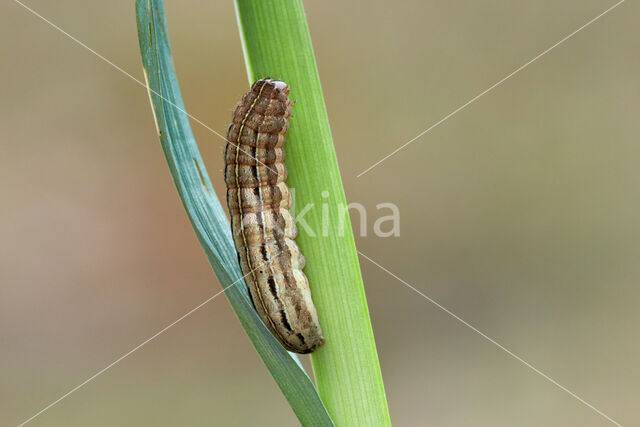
519	214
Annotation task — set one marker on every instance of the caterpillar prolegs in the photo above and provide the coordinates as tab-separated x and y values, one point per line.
263	229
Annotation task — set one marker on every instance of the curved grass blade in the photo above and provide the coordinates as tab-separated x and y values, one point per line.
277	44
206	215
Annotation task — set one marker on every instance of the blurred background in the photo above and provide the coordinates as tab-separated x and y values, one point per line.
519	213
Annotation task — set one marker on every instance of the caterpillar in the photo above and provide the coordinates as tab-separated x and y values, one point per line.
262	226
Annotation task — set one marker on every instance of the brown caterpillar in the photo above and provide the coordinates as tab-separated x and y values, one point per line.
263	229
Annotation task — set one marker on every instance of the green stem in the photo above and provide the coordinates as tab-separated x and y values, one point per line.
277	44
206	215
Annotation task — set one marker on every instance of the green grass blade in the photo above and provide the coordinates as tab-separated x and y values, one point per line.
206	215
277	44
